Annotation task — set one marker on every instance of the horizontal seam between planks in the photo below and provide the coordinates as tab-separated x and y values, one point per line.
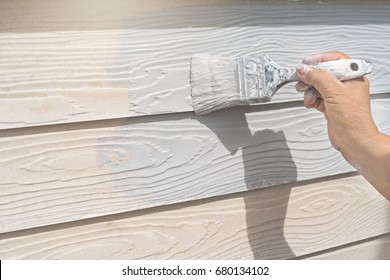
163	208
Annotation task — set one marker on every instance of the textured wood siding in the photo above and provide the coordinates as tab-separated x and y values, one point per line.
373	249
57	174
142	66
274	223
250	182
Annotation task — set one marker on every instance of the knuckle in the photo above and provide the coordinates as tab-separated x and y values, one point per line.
300	86
341	55
314	76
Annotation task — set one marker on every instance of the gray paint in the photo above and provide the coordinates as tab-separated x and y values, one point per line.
76	171
141	66
218	82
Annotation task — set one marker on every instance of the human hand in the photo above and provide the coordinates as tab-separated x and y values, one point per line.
346	105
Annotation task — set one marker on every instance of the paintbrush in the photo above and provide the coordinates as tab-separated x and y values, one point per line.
220	82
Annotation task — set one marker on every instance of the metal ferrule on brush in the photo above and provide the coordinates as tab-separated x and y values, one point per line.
218	82
251	80
241	80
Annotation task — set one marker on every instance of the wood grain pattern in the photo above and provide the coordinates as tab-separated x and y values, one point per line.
274	223
65	15
95	190
70	172
376	249
142	67
71	15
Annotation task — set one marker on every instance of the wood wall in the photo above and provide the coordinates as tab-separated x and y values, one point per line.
102	157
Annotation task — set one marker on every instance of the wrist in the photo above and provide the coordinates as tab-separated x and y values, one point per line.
360	149
372	160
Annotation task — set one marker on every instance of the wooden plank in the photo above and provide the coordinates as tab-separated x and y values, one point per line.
273	223
25	16
376	249
64	15
142	67
70	172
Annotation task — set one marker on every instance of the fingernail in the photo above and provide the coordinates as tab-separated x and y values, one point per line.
307	60
311	92
303	69
302	87
310	97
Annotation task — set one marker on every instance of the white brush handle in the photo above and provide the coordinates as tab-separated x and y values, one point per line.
344	69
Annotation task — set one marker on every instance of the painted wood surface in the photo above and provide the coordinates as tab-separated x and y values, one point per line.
71	15
374	249
142	66
96	189
273	223
70	172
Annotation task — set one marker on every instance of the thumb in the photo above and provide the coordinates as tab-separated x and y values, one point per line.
321	79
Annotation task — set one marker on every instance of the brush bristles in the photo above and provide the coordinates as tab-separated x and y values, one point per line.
214	83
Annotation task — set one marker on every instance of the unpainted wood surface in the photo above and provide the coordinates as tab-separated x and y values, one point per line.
70	172
142	66
273	223
375	249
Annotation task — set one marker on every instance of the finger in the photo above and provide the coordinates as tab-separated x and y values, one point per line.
320	105
322	80
325	56
310	98
302	87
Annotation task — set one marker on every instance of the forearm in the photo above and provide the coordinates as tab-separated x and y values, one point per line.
372	159
351	129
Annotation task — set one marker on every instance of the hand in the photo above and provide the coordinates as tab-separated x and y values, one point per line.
351	128
346	105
